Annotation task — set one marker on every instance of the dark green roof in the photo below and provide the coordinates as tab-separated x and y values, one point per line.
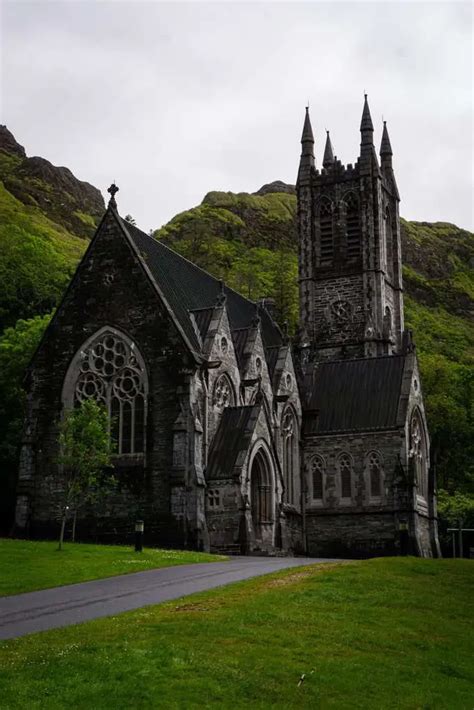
354	395
187	288
232	437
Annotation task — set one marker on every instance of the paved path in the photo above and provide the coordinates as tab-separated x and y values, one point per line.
50	608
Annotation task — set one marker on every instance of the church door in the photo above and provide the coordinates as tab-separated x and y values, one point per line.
261	497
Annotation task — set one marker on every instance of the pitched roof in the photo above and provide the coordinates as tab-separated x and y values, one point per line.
187	287
355	395
232	438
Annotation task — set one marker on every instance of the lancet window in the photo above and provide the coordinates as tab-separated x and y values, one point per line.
326	233
375	475
345	476
418	454
317	478
352	227
290	453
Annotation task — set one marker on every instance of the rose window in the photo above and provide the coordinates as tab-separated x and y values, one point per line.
112	372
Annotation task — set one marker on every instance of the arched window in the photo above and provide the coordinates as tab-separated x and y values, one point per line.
290	444
389	244
109	369
223	394
417	454
352	226
261	494
317	478
374	465
345	476
326	233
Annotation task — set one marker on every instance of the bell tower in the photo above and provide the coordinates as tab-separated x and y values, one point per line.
351	297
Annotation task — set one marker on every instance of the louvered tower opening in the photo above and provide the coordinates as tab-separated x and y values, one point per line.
352	228
326	233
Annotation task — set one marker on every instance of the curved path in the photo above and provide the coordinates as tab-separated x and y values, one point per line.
61	606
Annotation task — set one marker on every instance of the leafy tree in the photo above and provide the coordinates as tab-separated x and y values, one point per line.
85	458
17	346
456	508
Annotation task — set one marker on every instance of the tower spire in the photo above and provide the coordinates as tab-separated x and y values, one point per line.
328	158
307	148
367	148
385	147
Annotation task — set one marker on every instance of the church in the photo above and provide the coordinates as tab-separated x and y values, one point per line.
230	436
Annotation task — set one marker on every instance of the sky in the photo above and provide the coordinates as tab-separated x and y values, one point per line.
173	100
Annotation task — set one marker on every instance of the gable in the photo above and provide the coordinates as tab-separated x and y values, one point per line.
110	287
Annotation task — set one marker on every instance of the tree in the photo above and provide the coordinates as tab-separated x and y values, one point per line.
85	458
17	346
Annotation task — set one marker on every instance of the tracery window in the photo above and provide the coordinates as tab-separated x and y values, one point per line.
317	478
223	395
290	444
418	454
375	475
345	476
326	233
111	370
352	227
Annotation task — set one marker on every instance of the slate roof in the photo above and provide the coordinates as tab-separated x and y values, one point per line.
233	436
354	395
187	288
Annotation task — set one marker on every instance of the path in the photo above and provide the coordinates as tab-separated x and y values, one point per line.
61	606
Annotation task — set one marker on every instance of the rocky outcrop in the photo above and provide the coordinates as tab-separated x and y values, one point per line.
72	203
8	143
276	186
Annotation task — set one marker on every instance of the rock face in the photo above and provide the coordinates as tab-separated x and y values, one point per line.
276	186
9	144
72	203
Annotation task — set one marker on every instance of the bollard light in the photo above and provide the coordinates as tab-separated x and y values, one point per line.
139	528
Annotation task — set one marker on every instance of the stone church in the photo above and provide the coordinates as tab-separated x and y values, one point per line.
229	436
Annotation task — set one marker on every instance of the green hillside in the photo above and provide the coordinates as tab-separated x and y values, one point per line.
250	241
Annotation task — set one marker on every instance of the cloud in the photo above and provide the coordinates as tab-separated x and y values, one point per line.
175	99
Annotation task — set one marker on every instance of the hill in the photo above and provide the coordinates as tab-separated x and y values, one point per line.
46	214
250	240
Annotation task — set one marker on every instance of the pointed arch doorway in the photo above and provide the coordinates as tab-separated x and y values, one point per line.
262	498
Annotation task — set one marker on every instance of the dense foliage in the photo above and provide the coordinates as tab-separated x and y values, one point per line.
250	241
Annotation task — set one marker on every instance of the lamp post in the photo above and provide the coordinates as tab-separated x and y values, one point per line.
139	528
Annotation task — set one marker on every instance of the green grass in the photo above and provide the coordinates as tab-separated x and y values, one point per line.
385	633
26	566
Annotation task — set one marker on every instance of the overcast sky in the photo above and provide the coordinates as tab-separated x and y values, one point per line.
173	100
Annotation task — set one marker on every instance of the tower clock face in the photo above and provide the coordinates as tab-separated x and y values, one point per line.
341	310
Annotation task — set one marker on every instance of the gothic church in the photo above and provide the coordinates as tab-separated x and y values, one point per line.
229	436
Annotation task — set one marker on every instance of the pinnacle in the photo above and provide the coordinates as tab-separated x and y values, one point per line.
366	122
385	147
307	135
328	158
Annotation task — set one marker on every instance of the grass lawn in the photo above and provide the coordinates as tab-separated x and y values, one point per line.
26	566
384	633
